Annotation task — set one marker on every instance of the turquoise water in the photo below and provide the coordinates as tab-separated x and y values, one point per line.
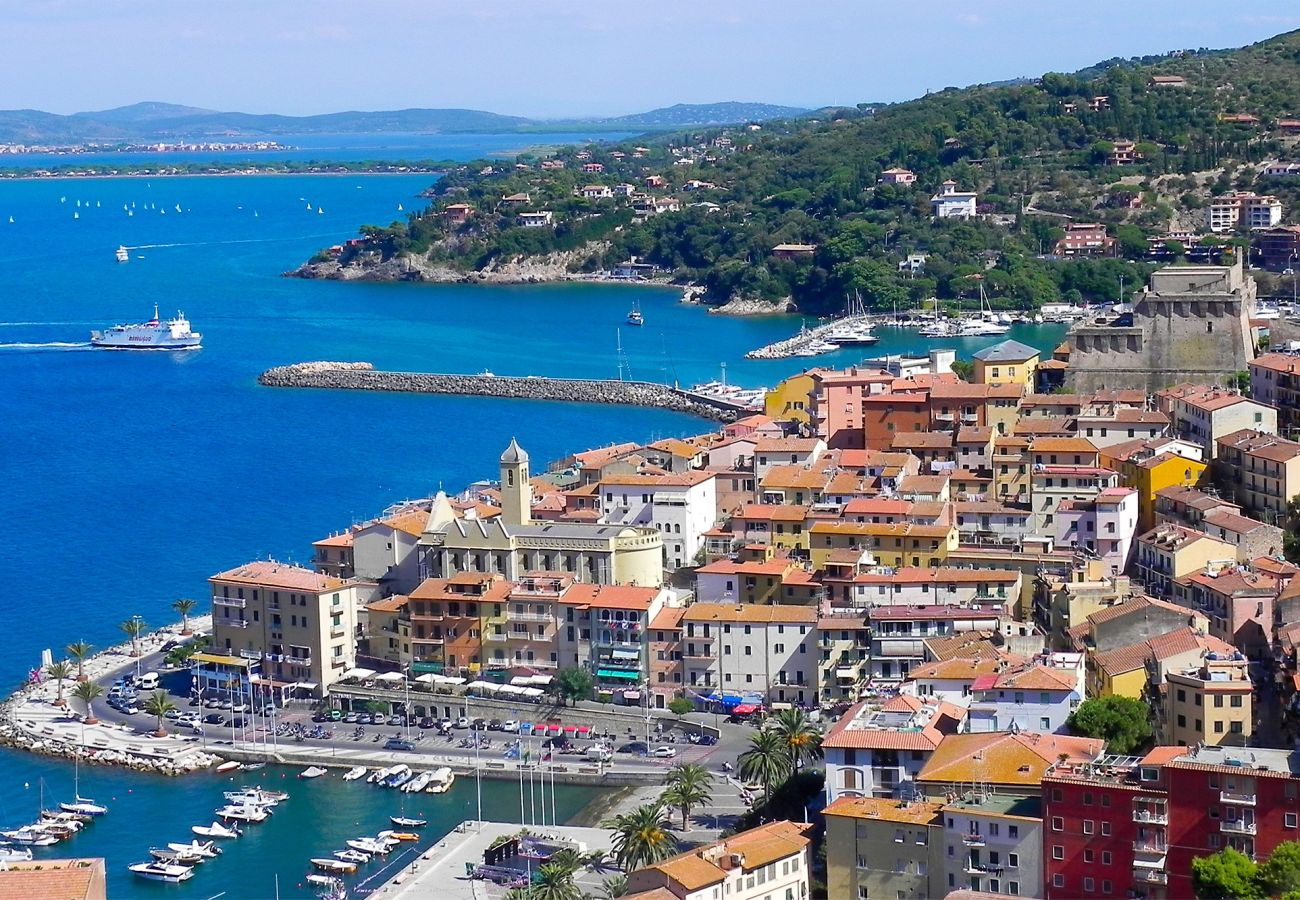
130	478
320	817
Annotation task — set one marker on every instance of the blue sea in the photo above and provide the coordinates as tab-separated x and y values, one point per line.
129	478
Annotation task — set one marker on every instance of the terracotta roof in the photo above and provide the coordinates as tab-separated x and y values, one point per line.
1062	445
1003	758
963	645
611	596
794	476
411	522
1278	362
851	730
1135	606
787	445
922	440
772	512
916	812
53	879
1230	521
749	612
959	668
345	539
389	604
682	479
1038	678
1134	656
759	846
1262	445
676	448
281	575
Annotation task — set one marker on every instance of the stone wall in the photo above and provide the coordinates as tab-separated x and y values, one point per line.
364	377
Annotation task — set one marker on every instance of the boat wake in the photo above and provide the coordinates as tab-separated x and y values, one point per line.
47	345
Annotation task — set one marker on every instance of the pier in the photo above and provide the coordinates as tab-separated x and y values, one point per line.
800	344
364	377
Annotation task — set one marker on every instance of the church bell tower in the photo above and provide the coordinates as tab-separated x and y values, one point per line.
516	492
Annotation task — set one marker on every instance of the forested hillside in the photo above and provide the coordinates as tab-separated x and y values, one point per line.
709	206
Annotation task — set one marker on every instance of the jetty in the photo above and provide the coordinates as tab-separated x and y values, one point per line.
802	343
362	376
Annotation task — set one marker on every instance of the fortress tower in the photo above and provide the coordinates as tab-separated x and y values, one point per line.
1191	323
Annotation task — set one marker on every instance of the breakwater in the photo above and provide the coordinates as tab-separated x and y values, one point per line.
364	377
804	343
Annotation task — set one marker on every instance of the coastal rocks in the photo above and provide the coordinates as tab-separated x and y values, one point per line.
751	306
363	377
551	267
14	737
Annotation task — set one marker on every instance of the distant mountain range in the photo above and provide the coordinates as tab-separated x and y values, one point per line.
152	121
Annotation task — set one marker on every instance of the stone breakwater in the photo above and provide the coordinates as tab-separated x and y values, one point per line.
364	377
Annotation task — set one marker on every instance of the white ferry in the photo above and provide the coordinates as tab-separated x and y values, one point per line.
174	334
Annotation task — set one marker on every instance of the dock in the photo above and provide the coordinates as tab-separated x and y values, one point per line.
799	344
364	377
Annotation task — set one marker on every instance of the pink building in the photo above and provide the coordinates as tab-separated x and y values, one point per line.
898	176
1105	526
835	404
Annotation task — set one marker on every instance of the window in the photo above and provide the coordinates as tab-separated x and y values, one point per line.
1088	856
1013	860
1058	880
1105	887
1058	824
1058	851
1013	831
1088	885
1105	857
1289	820
1013	887
1105	828
1087	826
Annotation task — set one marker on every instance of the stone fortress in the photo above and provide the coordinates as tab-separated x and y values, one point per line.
1191	323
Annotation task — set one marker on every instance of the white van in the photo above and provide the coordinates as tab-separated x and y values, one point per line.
149	681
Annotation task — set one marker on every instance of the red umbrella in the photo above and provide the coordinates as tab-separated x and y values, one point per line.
583	729
570	729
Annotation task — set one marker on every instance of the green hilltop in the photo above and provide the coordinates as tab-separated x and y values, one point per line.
1038	153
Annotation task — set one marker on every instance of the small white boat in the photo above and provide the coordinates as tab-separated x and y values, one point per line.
377	776
216	830
122	254
397	776
313	772
353	856
10	853
157	871
256	796
334	865
229	766
440	781
417	784
206	849
31	837
403	822
326	881
371	846
244	813
176	857
354	773
390	835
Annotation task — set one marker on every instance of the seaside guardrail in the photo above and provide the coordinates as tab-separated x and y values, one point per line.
361	376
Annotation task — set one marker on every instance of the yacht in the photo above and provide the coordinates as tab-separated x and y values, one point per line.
256	796
439	783
176	857
635	317
174	334
417	784
404	822
352	856
979	327
206	849
31	837
122	254
157	871
244	813
334	865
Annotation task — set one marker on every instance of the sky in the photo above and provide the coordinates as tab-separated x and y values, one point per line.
557	58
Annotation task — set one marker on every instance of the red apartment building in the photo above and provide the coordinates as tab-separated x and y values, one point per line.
1131	826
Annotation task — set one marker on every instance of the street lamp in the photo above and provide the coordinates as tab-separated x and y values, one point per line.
135	643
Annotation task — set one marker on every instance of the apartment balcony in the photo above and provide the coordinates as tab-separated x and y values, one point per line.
233	623
1236	799
1148	852
970	418
513	616
496	638
973	840
343	632
630	646
1147	817
1149	876
1237	826
972	868
250	654
230	602
298	661
531	638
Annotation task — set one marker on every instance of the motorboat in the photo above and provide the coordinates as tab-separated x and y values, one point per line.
417	784
440	782
373	846
334	865
354	773
158	871
378	776
819	347
60	815
397	776
84	807
256	796
217	830
9	853
122	254
177	857
206	849
229	766
390	835
60	830
313	772
244	813
31	837
403	822
353	856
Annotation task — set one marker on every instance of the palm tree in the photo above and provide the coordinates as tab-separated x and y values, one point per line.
642	837
688	785
185	606
159	705
80	651
59	671
568	859
88	692
614	886
802	739
554	882
767	760
134	627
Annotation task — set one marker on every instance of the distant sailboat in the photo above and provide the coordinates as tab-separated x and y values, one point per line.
178	207
309	206
63	199
97	204
320	211
399	207
11	220
76	215
256	214
78	204
130	212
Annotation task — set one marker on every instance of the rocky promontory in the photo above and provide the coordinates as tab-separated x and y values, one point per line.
364	377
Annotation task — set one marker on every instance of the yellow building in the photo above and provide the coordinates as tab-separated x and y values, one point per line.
1149	466
789	400
1209	703
1009	362
895	544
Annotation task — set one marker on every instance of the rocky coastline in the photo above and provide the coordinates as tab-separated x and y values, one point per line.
364	377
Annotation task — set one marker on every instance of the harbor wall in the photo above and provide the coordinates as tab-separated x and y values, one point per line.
364	377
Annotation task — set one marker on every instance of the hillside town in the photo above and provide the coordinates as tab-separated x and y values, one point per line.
945	573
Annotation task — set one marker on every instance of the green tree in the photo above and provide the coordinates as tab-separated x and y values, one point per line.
59	671
963	369
572	685
88	692
80	651
377	706
1291	536
801	738
185	606
767	761
1123	722
613	887
1280	873
1226	875
134	628
642	836
688	786
1240	381
159	705
680	706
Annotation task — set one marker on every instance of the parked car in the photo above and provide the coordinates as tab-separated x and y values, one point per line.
634	747
214	718
494	725
395	720
336	715
511	725
428	723
395	743
462	722
351	718
664	752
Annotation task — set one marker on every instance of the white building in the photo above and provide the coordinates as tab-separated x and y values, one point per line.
788	451
1105	526
951	203
898	633
769	862
1237	208
920	586
384	550
536	219
683	507
1038	698
768	653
